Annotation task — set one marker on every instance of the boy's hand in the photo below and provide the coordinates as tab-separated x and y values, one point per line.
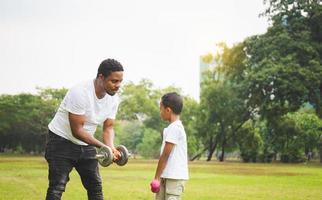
155	186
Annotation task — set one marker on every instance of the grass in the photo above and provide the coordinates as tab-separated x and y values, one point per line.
25	178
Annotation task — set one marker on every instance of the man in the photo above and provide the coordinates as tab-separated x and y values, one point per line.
71	142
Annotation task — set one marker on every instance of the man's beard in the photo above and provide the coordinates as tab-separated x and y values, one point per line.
111	93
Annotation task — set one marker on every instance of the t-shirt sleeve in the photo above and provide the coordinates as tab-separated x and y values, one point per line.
75	101
173	135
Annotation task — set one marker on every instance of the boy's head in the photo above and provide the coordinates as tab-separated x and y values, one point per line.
171	103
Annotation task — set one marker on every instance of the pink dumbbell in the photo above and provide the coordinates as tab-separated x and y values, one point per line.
155	186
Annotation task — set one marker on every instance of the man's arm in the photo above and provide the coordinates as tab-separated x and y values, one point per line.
76	125
108	137
108	132
163	159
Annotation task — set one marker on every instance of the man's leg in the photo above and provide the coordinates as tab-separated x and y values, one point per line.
60	155
87	168
59	169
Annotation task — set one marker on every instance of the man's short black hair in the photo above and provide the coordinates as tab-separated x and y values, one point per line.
108	66
174	101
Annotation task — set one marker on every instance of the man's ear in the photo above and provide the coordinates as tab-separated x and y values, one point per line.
101	76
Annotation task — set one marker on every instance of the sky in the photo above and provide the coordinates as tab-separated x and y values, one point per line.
59	43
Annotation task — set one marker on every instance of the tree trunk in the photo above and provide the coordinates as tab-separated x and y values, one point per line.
319	104
321	154
320	147
198	155
212	150
222	156
223	137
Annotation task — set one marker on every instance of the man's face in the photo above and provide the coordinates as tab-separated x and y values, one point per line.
112	83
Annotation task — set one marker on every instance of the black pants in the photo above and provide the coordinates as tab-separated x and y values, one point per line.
62	155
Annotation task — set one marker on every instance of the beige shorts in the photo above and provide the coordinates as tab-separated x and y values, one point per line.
170	189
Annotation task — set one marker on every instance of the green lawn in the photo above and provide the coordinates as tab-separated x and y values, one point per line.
23	177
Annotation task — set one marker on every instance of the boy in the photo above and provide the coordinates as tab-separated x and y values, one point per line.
172	169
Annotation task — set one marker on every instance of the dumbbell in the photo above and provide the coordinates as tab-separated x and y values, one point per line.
105	156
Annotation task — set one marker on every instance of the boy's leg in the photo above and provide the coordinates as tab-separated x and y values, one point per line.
88	169
173	189
161	194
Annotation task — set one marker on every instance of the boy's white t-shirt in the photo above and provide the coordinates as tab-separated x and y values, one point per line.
82	100
177	165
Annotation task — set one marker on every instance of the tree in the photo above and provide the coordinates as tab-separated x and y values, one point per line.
310	127
189	120
285	63
249	141
221	103
140	108
288	140
221	98
24	119
151	144
130	134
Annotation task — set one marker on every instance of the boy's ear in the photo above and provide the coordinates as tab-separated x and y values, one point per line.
168	109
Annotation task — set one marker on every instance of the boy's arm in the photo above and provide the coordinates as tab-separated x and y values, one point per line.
163	159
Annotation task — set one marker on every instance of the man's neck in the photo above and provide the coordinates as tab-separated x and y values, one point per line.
99	91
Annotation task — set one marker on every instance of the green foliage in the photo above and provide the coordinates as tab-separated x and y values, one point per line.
151	144
269	76
293	136
249	141
52	94
140	117
138	99
289	139
130	134
284	65
221	98
310	127
189	119
268	150
24	119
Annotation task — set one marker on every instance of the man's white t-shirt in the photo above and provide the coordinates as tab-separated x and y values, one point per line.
82	100
177	165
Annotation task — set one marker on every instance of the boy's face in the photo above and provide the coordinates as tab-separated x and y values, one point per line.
164	112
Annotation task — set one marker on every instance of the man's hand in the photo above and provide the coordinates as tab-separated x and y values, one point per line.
116	154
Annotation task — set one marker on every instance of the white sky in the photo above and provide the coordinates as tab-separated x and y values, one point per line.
61	42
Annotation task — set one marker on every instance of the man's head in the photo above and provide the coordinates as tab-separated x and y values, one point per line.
171	103
110	76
